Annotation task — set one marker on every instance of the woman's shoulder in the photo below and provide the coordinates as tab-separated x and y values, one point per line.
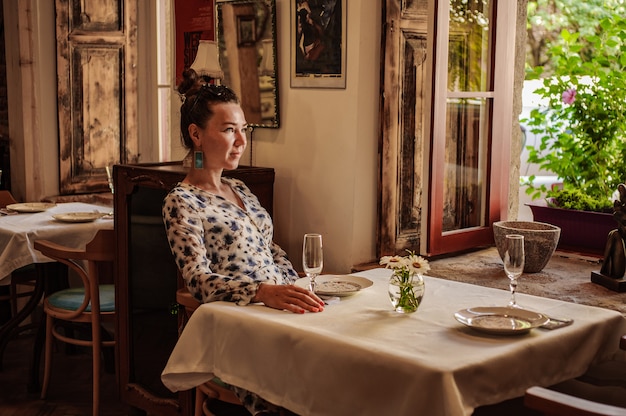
186	192
236	183
181	189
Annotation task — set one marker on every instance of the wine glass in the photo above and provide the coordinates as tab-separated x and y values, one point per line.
312	257
514	263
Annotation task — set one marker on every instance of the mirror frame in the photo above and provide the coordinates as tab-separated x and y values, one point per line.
263	26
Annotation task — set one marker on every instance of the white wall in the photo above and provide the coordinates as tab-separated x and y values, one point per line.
32	94
325	151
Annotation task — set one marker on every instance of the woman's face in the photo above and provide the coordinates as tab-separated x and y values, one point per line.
224	138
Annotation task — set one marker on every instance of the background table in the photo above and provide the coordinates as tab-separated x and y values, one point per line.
18	233
360	357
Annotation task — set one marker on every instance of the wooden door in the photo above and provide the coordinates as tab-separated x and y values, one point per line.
446	123
97	88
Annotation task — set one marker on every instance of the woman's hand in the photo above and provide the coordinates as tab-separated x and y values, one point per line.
290	297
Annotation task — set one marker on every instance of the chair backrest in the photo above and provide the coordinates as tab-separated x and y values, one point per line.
553	403
6	198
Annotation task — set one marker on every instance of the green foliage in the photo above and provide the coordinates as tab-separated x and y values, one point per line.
583	141
576	199
547	18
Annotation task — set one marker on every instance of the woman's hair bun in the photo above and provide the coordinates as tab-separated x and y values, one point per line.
190	80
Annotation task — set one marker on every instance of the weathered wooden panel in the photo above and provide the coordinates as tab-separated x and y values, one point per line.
97	88
405	110
101	15
415	6
413	139
98	114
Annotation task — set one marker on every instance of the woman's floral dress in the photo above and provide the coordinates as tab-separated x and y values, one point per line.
223	251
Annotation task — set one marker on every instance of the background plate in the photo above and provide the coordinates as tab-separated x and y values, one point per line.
78	216
31	206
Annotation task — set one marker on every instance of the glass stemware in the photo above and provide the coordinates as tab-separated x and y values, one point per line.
312	257
514	263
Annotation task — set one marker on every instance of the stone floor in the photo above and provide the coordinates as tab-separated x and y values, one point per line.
567	276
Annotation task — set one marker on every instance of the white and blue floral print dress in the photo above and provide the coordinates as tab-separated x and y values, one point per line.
223	252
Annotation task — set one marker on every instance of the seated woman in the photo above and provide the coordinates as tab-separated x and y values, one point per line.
220	235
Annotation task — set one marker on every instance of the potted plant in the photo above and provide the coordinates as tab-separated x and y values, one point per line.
582	127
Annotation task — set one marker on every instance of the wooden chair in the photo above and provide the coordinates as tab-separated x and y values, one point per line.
24	276
93	303
211	390
553	403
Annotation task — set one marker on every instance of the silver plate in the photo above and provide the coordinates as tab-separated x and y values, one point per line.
501	320
336	285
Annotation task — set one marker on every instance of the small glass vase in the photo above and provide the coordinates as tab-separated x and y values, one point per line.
406	291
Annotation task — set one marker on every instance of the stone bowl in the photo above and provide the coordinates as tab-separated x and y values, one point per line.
540	240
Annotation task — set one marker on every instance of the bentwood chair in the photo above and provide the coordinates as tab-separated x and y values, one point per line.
213	389
553	403
93	303
24	276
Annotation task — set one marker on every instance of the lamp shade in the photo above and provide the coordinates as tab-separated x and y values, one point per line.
207	60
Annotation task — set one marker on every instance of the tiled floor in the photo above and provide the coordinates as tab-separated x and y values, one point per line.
70	390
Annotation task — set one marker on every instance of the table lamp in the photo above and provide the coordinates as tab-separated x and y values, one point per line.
207	62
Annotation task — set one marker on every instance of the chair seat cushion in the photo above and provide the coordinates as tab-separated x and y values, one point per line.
71	299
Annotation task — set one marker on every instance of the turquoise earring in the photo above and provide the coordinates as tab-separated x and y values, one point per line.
198	159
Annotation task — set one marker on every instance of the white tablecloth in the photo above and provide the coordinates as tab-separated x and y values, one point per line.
18	233
359	357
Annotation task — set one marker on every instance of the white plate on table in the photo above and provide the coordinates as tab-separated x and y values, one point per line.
336	285
501	320
30	206
78	216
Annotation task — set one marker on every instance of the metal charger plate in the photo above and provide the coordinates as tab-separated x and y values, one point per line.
336	285
501	320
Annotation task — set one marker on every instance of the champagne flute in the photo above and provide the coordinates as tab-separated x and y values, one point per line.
514	263
312	258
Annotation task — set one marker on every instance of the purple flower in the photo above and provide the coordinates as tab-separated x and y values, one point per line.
569	96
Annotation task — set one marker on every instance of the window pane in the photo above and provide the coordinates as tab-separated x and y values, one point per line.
467	139
469	46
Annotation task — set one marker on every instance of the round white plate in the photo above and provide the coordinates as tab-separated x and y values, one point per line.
336	285
501	320
31	206
78	216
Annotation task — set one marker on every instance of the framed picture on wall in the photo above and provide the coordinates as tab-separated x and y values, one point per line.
318	43
246	30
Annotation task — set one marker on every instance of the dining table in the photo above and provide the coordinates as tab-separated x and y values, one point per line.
72	224
19	230
360	356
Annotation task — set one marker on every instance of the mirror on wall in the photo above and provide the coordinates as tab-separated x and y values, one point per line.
246	35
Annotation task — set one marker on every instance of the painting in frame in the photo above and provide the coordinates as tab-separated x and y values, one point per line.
246	30
318	43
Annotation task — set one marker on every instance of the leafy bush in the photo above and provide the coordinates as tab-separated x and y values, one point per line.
583	127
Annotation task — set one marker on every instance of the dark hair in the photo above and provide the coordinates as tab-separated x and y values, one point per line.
198	99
